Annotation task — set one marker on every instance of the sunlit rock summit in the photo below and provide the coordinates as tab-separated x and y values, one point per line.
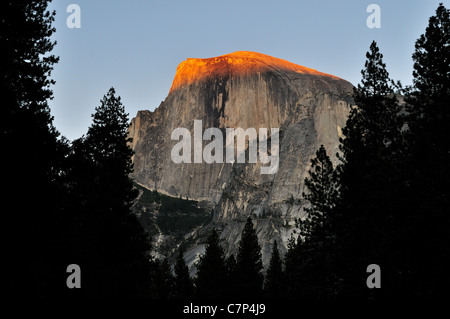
242	90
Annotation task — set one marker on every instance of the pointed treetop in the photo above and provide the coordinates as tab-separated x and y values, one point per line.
375	77
432	56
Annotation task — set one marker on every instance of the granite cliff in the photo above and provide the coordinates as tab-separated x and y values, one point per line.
247	90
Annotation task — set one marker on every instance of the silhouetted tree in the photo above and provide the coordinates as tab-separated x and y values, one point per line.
115	248
164	280
315	252
431	65
231	265
183	283
321	197
211	270
32	153
370	177
232	281
426	192
249	264
273	284
293	261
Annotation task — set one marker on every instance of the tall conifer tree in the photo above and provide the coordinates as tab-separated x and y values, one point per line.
369	175
426	196
32	154
321	197
273	285
115	246
249	264
183	282
211	270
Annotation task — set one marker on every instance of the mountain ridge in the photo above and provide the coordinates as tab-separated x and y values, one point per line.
309	109
236	63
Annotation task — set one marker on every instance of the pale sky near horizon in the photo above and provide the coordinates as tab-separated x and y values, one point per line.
136	46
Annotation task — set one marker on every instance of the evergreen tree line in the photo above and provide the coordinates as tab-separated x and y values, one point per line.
218	277
387	200
63	202
385	203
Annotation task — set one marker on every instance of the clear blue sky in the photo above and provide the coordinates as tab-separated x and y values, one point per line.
136	46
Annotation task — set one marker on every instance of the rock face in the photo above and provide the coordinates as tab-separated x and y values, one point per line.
246	90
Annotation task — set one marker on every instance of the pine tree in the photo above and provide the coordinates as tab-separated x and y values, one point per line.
232	283
273	285
373	125
33	154
322	196
369	176
211	270
431	61
426	188
115	247
249	264
231	266
164	280
293	260
309	260
183	283
317	248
